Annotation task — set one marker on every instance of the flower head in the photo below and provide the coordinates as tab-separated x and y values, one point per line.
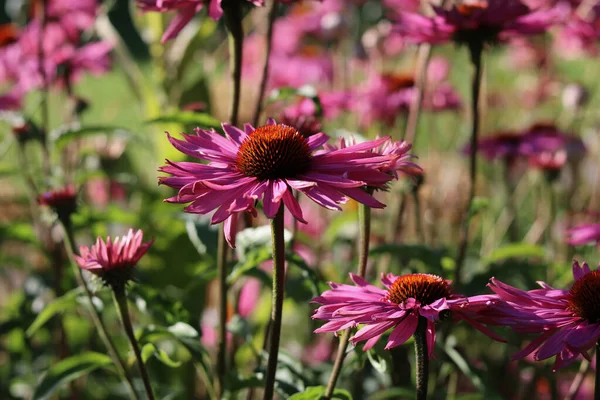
584	233
114	261
568	321
477	22
404	300
186	10
62	201
265	164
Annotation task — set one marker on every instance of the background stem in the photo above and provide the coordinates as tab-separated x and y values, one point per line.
121	303
597	374
476	50
421	359
233	21
222	333
265	73
364	221
277	308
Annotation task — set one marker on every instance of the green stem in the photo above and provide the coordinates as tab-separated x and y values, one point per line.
513	228
222	333
233	21
421	359
476	51
418	220
121	303
94	312
265	73
364	222
45	117
277	307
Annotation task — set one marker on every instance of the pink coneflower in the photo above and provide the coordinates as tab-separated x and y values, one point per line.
186	10
265	164
114	261
568	321
478	22
400	305
503	145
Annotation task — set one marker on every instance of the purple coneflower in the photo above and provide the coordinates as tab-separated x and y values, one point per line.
114	261
568	321
400	305
63	201
265	164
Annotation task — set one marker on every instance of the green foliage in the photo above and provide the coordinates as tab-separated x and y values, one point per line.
67	370
318	393
67	302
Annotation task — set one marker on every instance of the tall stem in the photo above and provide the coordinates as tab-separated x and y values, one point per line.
277	307
597	375
70	247
421	359
364	222
233	21
265	72
414	111
476	50
45	117
121	303
222	333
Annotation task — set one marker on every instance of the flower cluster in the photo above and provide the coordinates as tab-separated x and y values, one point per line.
49	50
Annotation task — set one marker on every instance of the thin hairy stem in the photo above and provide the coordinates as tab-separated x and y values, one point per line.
121	303
476	50
277	307
265	72
222	333
421	359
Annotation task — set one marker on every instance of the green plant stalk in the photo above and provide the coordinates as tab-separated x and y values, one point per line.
233	21
364	222
476	51
94	312
45	117
265	73
277	307
121	304
421	359
221	365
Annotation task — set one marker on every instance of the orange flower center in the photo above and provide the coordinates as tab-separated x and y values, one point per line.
424	288
274	152
584	297
399	82
468	9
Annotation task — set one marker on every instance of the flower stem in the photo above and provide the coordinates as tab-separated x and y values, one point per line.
476	51
222	333
423	57
597	375
421	359
233	21
364	222
121	303
45	117
94	313
265	73
277	307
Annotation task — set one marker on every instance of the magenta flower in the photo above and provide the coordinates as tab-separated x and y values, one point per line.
63	201
265	164
568	321
504	145
114	260
186	10
478	22
584	234
404	300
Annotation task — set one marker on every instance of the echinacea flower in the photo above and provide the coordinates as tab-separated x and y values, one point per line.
62	201
265	164
478	22
568	321
186	10
114	261
405	300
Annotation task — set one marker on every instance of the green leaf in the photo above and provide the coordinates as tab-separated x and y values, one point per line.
318	392
478	205
64	135
516	250
252	261
22	232
67	370
150	349
463	365
66	302
201	120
